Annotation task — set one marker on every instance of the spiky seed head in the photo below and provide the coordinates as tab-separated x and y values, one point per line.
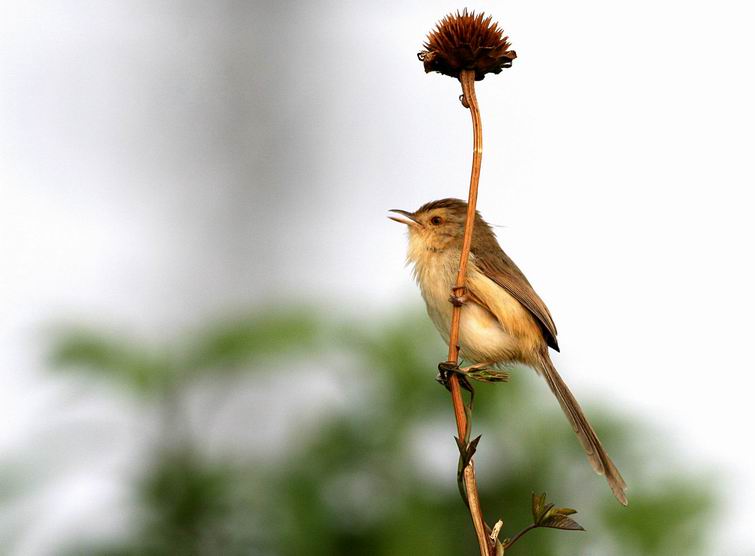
467	41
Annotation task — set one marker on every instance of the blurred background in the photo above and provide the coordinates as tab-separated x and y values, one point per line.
209	343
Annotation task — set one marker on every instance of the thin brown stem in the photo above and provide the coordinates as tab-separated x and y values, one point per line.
467	79
519	535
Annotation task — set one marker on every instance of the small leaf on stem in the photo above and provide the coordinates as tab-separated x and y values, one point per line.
467	451
547	515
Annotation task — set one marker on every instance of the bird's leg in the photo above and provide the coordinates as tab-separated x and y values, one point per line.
476	367
458	296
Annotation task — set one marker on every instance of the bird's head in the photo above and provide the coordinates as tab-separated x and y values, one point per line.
438	225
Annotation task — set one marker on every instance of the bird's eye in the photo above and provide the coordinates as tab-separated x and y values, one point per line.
436	221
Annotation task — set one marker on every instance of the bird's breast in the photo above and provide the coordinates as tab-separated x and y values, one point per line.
482	337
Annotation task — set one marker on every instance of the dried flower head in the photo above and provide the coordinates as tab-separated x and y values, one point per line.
465	41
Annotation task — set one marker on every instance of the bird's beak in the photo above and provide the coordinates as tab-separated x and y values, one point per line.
410	218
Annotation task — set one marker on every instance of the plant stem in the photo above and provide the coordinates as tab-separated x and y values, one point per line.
467	79
519	535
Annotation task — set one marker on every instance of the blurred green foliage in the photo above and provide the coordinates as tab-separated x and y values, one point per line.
367	477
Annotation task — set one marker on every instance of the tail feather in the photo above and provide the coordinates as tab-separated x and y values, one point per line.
586	434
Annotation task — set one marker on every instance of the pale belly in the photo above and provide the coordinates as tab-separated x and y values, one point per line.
482	339
503	333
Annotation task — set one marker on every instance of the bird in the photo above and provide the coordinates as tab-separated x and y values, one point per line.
503	321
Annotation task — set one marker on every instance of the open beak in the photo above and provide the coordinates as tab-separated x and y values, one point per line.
410	220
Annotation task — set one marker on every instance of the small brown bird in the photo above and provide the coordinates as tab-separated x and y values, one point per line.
503	321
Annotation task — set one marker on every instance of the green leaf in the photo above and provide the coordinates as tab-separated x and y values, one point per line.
472	448
548	515
462	447
467	451
113	358
242	341
538	505
561	522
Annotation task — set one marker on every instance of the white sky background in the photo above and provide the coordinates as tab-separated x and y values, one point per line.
161	161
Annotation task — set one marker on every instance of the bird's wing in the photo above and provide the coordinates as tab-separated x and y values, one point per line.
497	266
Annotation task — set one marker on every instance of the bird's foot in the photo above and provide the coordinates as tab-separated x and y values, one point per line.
458	297
448	368
445	369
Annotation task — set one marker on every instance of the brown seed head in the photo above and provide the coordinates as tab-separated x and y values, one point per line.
467	41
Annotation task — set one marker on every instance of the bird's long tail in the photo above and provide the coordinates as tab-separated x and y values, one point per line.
587	437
